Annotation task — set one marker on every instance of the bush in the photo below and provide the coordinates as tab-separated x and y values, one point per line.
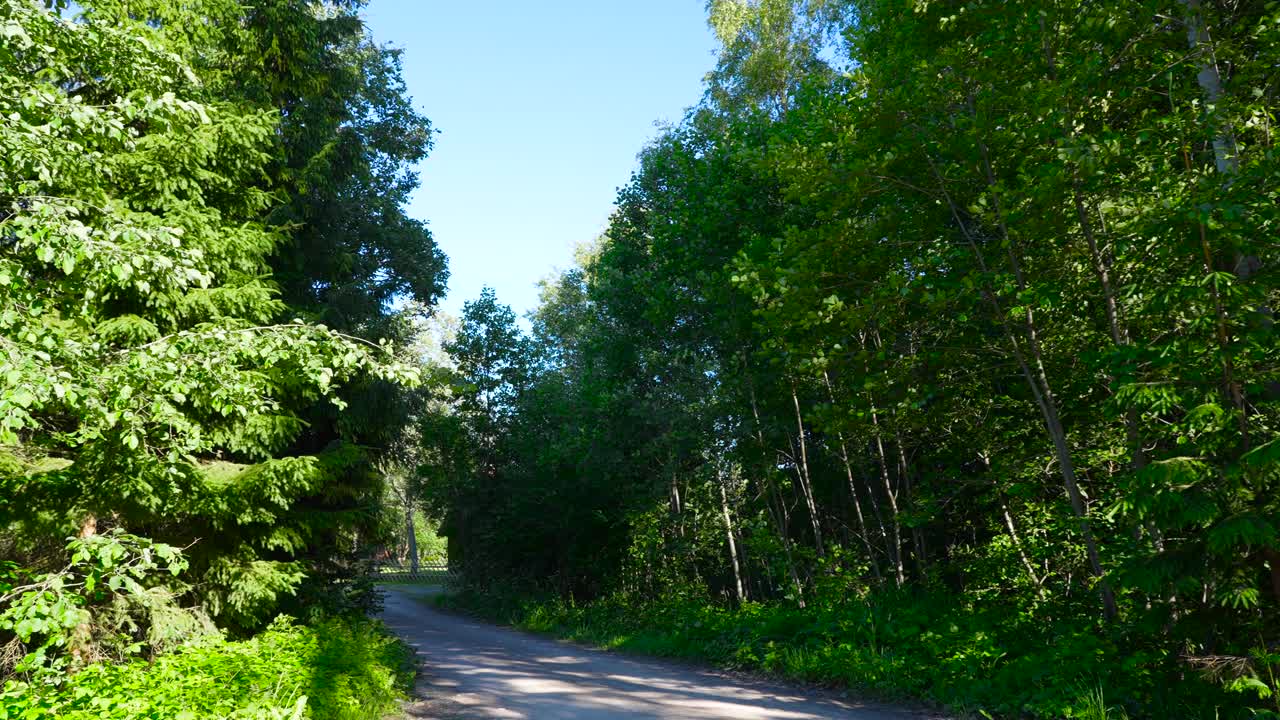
334	670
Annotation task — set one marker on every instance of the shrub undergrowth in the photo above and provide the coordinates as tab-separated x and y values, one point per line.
338	669
975	660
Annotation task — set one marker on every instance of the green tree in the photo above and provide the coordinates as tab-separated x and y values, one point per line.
138	320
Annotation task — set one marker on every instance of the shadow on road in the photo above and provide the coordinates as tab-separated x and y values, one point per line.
474	670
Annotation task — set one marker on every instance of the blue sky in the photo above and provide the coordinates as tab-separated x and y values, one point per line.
541	108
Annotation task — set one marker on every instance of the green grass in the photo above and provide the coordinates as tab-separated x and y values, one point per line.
336	670
976	660
1093	706
423	577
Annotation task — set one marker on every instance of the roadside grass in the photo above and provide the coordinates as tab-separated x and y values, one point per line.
335	670
441	577
427	574
976	661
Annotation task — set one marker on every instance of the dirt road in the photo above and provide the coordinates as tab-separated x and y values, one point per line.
474	670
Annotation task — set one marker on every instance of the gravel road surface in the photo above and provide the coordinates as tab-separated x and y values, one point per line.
472	670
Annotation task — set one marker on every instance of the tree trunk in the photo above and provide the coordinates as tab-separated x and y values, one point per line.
875	512
1225	150
904	474
1017	544
1066	466
1013	532
1037	381
677	504
853	491
412	534
1119	332
780	521
1048	403
896	556
733	545
1226	160
806	487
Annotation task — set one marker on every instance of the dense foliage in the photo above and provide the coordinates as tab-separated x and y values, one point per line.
197	372
936	346
331	671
